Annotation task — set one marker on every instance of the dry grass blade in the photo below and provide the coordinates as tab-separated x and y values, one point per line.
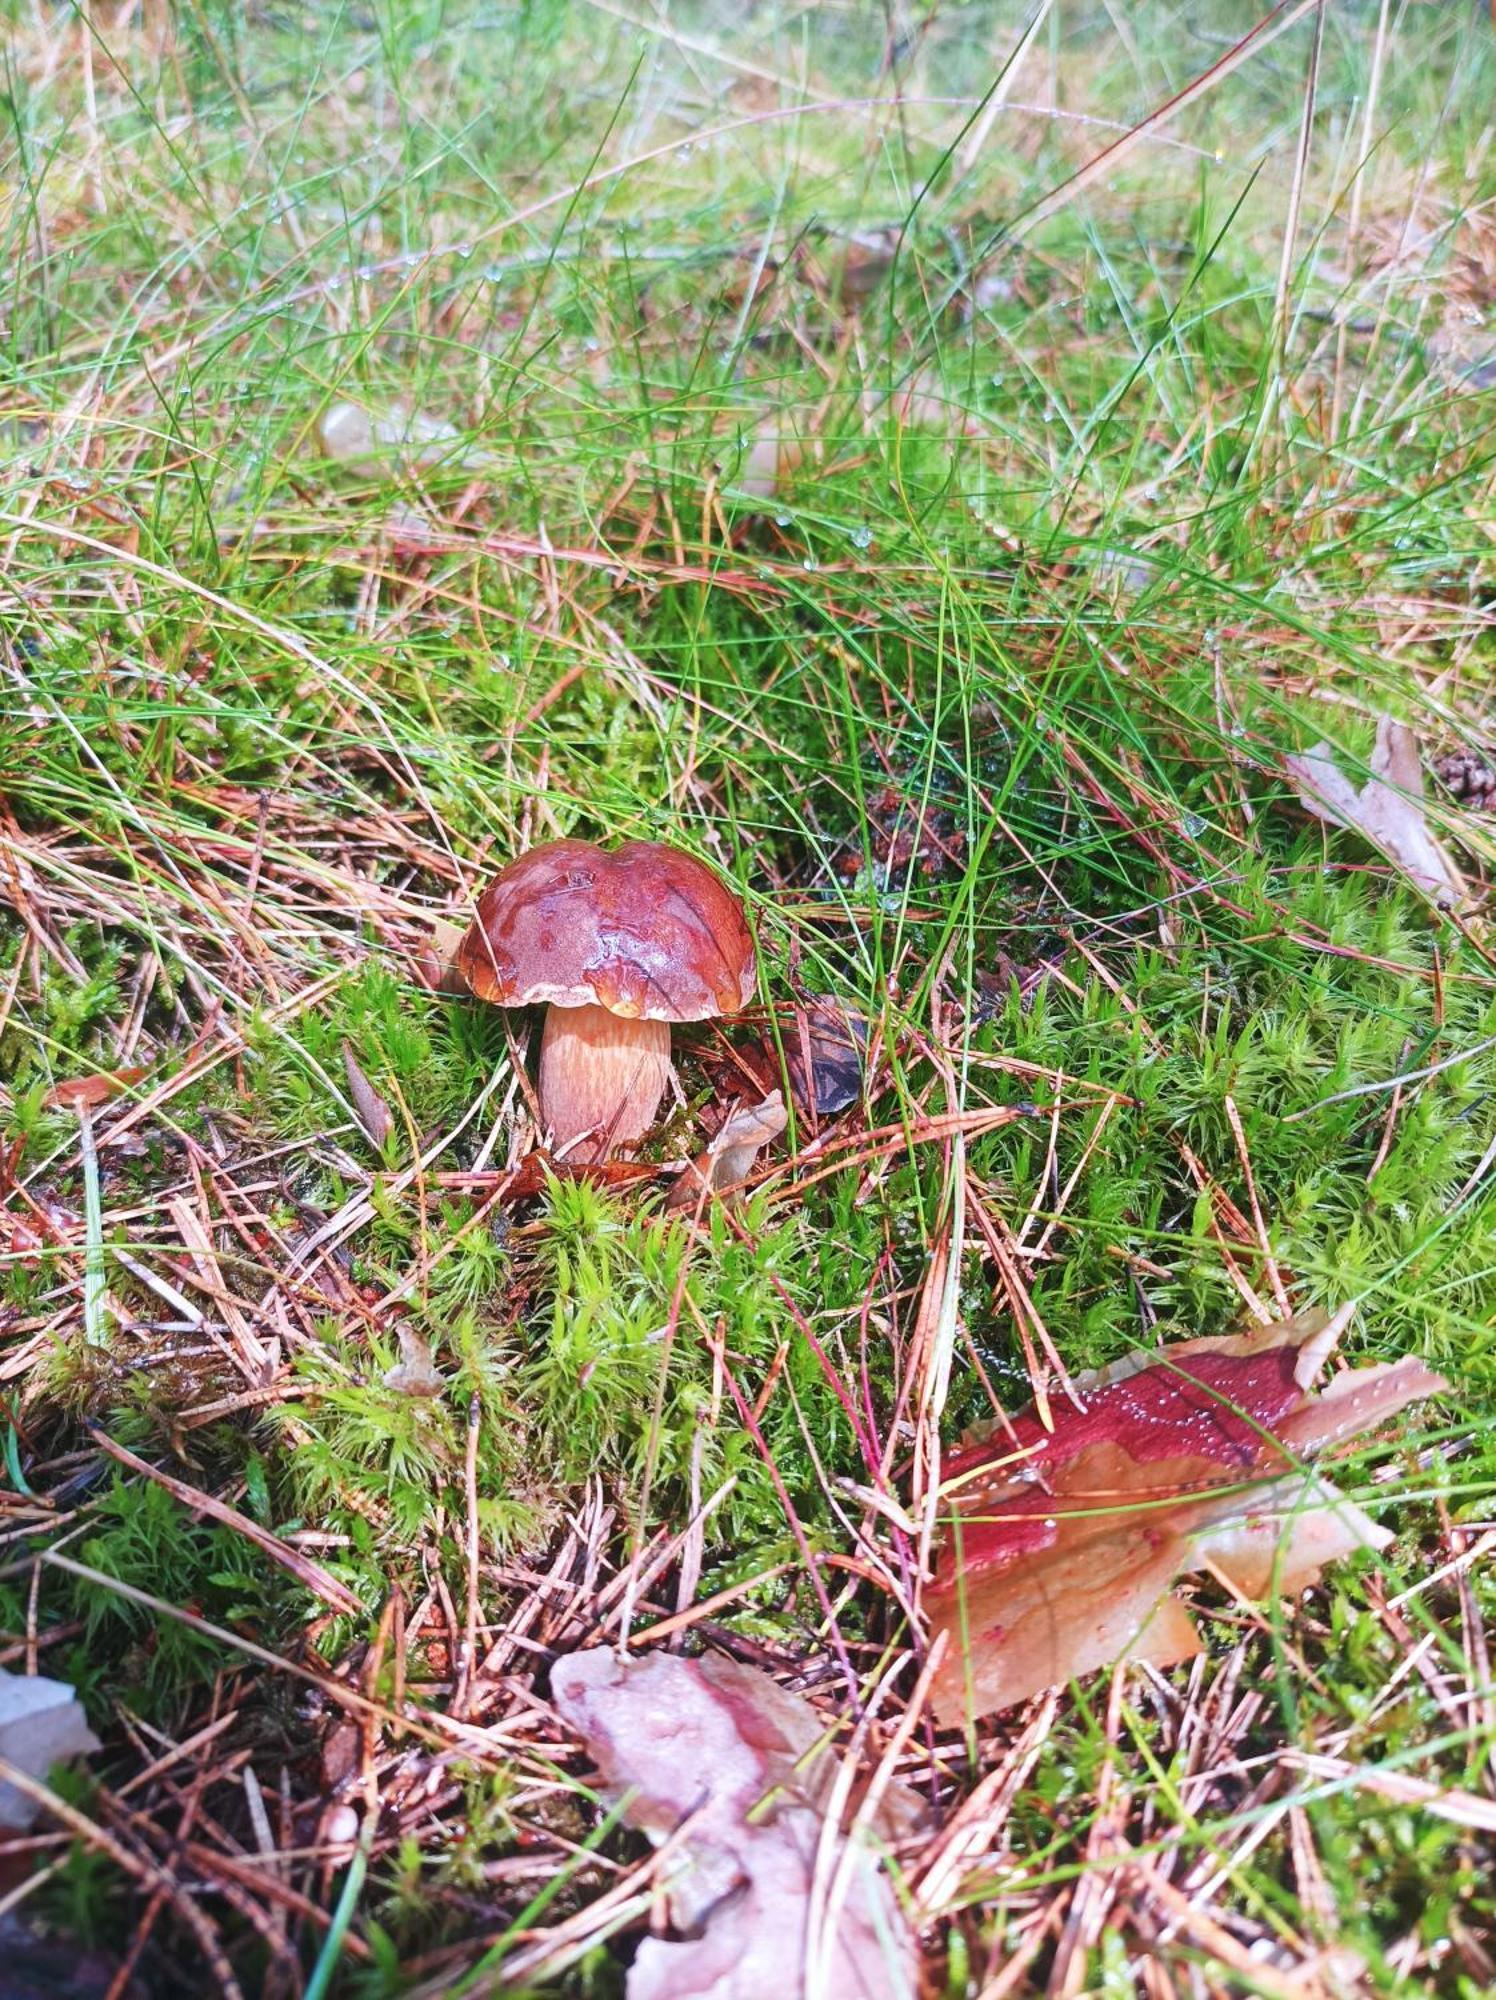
1463	1808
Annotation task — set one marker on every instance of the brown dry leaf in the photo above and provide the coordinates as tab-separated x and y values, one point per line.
734	1773
1387	809
728	1160
1063	1545
91	1090
369	1107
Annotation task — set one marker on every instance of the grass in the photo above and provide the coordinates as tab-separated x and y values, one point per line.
1099	504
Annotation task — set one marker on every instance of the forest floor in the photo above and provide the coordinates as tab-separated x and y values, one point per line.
934	464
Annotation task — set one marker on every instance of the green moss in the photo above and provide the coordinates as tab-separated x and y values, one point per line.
261	741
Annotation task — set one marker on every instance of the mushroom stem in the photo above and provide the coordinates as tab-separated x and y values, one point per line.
601	1079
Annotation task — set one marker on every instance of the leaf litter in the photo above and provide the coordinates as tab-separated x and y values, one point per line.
1063	1545
734	1779
723	1166
1387	809
416	1372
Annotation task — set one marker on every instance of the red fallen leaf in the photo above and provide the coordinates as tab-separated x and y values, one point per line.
91	1090
1062	1547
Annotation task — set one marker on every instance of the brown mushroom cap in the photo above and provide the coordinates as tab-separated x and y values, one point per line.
644	930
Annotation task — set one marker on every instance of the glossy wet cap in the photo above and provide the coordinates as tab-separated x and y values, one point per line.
642	929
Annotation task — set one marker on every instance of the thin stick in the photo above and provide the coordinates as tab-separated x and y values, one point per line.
308	1573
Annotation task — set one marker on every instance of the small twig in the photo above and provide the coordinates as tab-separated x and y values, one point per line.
1274	1275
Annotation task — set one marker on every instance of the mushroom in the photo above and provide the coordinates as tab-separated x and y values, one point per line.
616	944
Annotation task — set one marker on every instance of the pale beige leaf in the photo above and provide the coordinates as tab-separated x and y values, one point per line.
728	1160
1387	810
730	1772
415	1373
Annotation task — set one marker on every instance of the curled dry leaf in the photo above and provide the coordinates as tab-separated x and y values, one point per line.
1063	1545
735	1774
369	1107
415	1373
91	1090
728	1160
1387	810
